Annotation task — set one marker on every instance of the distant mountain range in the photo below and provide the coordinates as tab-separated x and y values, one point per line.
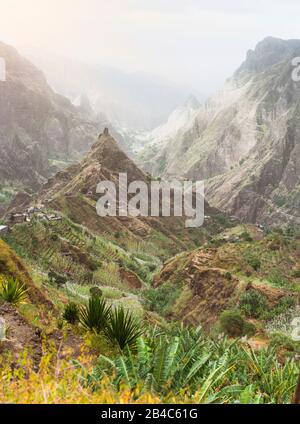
129	101
244	141
36	124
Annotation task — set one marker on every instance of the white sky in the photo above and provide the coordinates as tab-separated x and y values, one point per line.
189	41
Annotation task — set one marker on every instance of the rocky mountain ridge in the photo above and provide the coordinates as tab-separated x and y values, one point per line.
45	124
245	141
73	192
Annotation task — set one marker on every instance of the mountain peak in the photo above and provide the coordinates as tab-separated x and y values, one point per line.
107	152
268	52
192	102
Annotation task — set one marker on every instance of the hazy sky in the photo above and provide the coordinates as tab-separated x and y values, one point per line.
189	41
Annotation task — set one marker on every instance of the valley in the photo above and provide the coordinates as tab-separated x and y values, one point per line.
122	309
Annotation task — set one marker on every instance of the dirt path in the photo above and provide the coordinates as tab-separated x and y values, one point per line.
21	336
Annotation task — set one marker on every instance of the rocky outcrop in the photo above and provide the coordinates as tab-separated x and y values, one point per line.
26	163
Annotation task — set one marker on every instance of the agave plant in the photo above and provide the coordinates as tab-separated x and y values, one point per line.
71	313
94	316
13	291
123	329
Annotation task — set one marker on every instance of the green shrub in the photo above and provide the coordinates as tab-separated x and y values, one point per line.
152	267
282	341
88	277
296	274
54	237
141	270
13	291
123	329
94	316
93	265
253	303
71	313
254	262
228	276
278	279
283	305
246	236
56	278
207	371
96	292
162	298
233	324
280	201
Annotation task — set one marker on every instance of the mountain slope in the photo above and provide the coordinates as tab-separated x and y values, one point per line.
45	124
152	143
73	192
245	140
232	270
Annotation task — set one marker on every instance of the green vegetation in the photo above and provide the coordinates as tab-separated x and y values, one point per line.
161	299
282	341
122	328
7	192
96	292
71	313
56	278
277	279
92	283
284	304
95	315
13	291
254	262
206	370
246	236
233	324
253	304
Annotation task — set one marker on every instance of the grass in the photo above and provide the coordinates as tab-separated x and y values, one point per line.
108	275
179	367
223	371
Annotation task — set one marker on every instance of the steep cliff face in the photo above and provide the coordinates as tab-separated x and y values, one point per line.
265	184
245	140
154	152
25	163
46	124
